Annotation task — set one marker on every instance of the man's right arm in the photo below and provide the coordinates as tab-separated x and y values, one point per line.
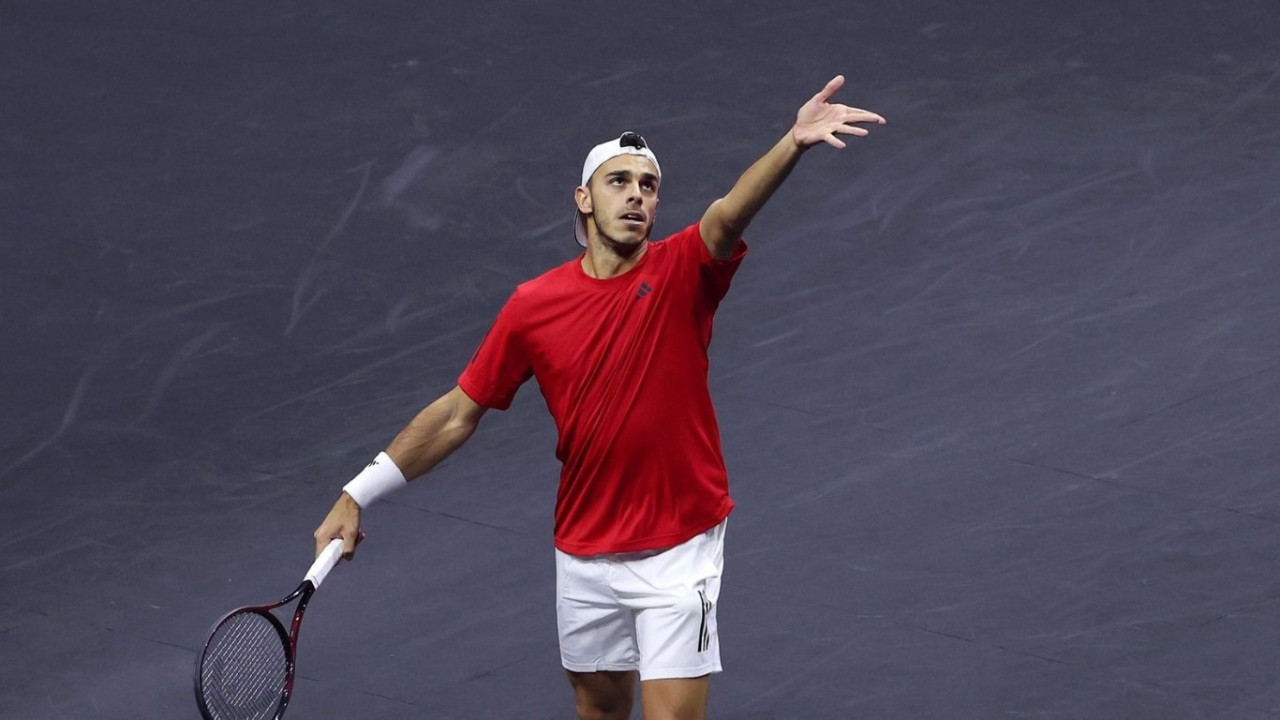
438	430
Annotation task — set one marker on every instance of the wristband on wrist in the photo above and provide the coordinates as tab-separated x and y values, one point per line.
378	479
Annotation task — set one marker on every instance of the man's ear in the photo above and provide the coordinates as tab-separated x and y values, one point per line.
582	197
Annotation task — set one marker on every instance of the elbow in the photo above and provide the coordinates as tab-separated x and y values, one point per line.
463	413
728	219
722	227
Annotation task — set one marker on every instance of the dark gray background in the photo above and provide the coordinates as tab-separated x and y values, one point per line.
998	385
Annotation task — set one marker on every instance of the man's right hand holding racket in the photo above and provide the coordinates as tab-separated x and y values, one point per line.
342	522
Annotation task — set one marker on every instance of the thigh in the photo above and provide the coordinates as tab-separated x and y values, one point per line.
596	633
675	595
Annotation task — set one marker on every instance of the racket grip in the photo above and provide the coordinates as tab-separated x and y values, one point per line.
325	562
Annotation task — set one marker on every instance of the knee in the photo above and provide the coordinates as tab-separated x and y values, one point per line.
594	709
603	696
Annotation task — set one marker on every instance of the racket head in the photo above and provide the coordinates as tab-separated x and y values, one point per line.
245	671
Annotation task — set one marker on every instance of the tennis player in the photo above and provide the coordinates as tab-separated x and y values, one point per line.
617	338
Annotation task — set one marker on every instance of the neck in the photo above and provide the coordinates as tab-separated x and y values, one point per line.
606	259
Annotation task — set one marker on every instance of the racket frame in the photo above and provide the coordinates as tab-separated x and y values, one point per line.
315	575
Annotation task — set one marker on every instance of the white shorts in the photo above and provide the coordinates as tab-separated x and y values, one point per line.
650	611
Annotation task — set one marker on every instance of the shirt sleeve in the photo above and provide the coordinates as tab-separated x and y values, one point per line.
714	274
500	365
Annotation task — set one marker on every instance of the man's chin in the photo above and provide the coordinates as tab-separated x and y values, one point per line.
625	243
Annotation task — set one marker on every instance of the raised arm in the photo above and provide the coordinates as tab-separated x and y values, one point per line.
818	120
438	430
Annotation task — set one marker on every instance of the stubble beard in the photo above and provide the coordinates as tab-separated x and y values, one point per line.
622	249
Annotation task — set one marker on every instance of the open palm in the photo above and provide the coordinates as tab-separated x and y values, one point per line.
820	120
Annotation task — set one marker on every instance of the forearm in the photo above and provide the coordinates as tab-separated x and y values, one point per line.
727	218
759	182
439	429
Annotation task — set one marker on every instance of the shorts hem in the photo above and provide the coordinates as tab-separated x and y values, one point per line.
679	673
598	667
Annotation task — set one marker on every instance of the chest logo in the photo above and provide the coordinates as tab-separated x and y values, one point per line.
643	290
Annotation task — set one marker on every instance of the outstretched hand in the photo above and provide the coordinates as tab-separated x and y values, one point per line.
820	120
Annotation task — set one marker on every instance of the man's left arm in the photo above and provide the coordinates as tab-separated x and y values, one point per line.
818	120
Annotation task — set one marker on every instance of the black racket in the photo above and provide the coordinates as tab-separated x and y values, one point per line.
246	669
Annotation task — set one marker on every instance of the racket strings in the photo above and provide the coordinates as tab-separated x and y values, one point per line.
245	669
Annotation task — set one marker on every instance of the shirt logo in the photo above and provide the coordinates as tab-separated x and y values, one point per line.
643	290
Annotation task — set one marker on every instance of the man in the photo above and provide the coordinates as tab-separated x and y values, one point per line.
618	341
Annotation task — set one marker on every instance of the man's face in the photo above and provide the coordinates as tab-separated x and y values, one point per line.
621	199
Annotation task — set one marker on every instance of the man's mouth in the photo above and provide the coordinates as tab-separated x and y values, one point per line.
633	217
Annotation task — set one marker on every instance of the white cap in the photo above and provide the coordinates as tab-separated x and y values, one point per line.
628	143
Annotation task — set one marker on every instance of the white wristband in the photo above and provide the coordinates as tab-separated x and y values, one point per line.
378	479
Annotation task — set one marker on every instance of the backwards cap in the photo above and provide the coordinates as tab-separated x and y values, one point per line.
628	143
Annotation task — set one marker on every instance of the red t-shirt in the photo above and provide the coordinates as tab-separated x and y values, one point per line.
622	365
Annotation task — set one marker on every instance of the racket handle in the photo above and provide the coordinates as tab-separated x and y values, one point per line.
325	562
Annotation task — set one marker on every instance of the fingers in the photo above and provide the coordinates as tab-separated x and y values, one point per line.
829	90
342	522
322	539
851	130
845	124
821	121
349	538
845	128
853	114
829	134
349	543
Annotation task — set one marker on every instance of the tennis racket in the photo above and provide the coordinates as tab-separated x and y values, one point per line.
245	671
